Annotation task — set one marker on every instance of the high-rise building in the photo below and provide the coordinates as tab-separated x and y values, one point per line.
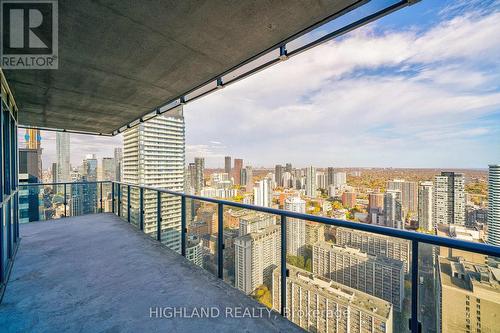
30	198
33	138
90	168
309	297
315	232
194	250
449	198
409	195
393	215
330	176
375	275
227	165
88	192
63	156
375	201
425	206
339	179
468	296
494	204
295	228
321	180
191	173
154	153
118	156
54	172
349	199
238	165
278	174
254	221
288	167
287	179
199	170
108	168
311	182
374	244
262	193
248	178
256	256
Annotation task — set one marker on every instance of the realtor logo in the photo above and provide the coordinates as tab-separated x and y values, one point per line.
29	36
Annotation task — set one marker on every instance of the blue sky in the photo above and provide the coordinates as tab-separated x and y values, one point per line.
417	88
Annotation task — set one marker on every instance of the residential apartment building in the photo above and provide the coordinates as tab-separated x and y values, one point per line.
295	228
321	305
449	198
375	275
468	296
374	244
425	206
257	254
154	155
494	205
409	195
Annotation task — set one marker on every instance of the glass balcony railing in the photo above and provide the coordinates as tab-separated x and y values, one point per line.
323	274
40	202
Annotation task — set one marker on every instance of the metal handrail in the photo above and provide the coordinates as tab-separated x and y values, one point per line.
482	248
414	237
65	183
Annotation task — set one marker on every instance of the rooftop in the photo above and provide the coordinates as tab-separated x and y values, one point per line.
479	280
341	293
95	273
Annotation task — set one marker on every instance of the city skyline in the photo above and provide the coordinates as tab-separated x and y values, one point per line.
444	99
353	188
103	147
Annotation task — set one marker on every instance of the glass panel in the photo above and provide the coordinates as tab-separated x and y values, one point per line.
150	212
262	60
363	11
459	291
252	252
171	221
41	202
346	280
202	228
3	245
82	198
116	188
134	205
123	202
107	201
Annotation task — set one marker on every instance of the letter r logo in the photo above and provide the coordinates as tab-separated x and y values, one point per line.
27	27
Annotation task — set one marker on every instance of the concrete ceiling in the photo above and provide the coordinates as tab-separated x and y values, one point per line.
121	59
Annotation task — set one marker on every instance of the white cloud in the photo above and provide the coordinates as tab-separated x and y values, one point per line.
397	98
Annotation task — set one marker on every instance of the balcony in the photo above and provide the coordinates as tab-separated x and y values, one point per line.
113	256
95	273
108	270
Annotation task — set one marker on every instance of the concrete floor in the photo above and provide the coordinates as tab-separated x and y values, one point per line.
96	273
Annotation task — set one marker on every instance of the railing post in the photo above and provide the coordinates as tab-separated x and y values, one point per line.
128	203
141	208
65	201
2	268
100	200
119	200
113	197
283	266
415	325
220	241
158	216
183	225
